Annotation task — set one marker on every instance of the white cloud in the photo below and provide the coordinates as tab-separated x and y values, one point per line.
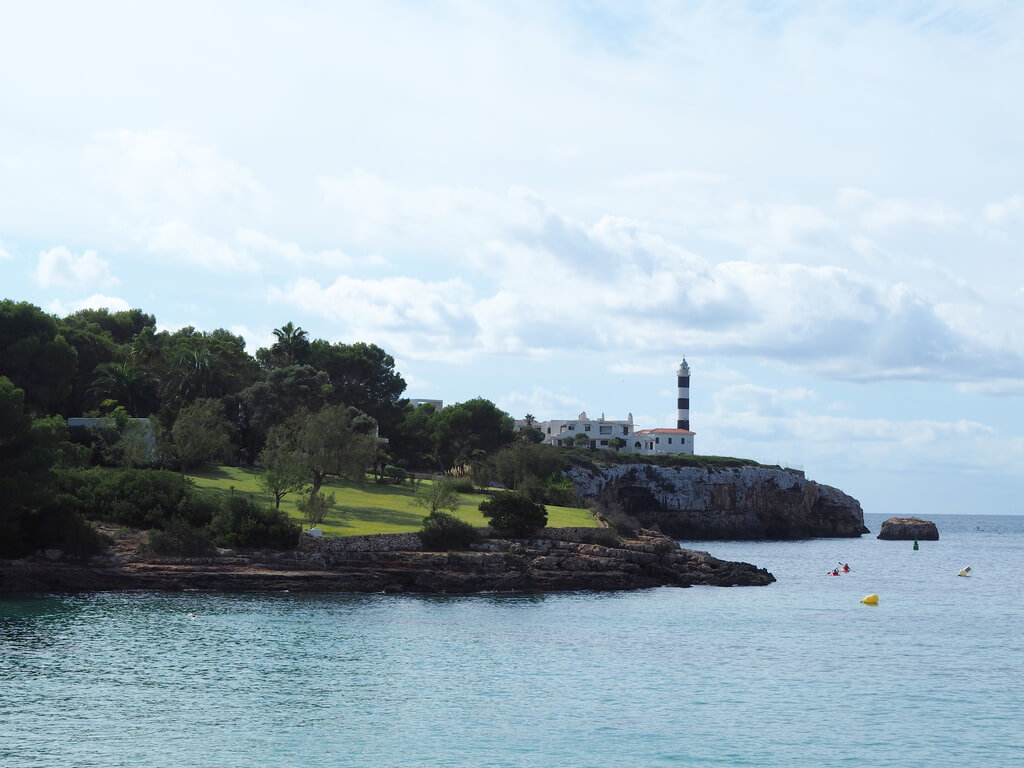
416	319
178	241
1011	209
162	174
542	403
257	243
59	267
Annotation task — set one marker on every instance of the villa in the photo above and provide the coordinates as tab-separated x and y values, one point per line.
622	435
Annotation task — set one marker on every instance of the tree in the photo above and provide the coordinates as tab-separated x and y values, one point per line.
437	496
325	446
35	356
201	433
30	449
125	383
199	364
291	348
363	376
463	429
514	512
315	507
121	326
283	472
582	440
616	444
532	435
413	444
93	346
267	403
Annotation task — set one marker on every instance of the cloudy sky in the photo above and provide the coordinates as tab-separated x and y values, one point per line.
549	204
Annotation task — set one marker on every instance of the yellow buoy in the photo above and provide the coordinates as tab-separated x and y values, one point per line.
870	600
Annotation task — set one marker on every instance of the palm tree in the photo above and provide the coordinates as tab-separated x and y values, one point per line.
292	342
124	382
192	375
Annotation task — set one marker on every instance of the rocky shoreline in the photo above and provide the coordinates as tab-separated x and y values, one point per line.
649	559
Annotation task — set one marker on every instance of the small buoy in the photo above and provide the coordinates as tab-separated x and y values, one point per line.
915	544
871	599
965	571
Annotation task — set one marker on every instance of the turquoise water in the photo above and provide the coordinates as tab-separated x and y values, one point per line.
799	673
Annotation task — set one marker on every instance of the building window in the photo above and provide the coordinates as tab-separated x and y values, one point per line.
636	444
657	440
586	427
670	441
549	430
625	430
604	442
572	427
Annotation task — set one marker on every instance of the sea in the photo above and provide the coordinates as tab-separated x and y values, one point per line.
798	673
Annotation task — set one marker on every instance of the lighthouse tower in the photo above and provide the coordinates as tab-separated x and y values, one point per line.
683	403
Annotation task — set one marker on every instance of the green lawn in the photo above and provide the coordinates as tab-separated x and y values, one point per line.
370	508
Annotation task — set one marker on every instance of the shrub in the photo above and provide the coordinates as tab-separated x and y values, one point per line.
180	538
514	512
442	531
462	484
241	522
198	508
139	498
440	495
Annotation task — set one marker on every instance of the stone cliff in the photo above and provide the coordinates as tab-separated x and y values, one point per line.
548	563
748	502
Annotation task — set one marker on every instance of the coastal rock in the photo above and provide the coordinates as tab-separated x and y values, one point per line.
907	528
746	502
648	560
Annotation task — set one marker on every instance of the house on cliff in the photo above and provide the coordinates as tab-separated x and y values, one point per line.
607	433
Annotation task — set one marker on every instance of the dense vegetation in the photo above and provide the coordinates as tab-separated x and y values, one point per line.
303	411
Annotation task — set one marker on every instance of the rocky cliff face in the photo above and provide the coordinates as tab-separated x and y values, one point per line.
733	503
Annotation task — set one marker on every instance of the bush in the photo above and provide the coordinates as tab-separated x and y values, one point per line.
462	484
241	522
442	531
198	508
514	512
138	498
180	538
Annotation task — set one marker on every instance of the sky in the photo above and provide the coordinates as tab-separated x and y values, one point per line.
551	204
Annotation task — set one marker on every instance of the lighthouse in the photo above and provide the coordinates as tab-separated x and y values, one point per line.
683	402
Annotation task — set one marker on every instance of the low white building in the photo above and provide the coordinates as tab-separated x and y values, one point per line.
606	433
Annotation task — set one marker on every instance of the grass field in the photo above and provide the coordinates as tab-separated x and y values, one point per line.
369	508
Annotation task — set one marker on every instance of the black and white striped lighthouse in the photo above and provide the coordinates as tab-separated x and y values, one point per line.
683	404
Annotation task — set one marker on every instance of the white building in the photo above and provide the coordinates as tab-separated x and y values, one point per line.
606	433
